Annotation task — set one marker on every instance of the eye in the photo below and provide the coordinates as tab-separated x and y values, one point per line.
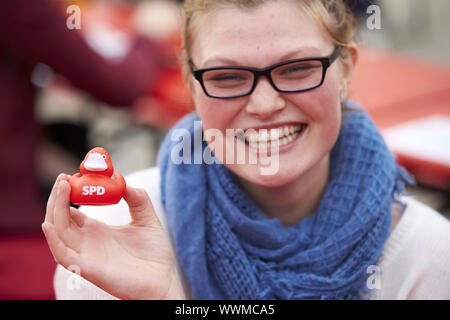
228	77
104	156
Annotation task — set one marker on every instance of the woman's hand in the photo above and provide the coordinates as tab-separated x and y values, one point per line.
133	261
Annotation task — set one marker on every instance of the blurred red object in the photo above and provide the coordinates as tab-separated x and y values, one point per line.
168	102
170	99
395	88
27	268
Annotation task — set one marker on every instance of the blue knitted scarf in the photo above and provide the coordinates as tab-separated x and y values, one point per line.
229	249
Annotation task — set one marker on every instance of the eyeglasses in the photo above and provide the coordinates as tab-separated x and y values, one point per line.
297	75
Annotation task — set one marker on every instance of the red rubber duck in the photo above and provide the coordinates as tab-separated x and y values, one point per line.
95	185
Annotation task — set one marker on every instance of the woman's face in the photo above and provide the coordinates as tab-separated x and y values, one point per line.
258	38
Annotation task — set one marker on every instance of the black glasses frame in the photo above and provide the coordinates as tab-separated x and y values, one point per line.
326	63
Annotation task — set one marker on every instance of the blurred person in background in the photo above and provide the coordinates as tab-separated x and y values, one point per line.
33	32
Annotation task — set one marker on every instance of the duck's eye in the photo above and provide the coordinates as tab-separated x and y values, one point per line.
104	156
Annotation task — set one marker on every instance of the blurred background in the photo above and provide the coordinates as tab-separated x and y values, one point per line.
79	74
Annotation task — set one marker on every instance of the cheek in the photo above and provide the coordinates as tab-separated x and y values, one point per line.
321	106
207	110
327	98
328	119
322	109
215	113
328	110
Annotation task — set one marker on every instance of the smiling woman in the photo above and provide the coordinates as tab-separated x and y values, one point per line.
315	228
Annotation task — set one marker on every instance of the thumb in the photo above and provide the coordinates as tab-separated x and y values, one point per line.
141	208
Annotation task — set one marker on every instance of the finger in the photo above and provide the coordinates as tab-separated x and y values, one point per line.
61	209
68	229
140	207
61	253
51	199
77	217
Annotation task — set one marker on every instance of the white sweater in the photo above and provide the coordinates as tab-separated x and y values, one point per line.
415	263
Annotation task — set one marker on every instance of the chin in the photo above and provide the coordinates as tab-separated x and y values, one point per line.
280	178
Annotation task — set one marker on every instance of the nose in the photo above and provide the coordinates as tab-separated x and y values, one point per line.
264	102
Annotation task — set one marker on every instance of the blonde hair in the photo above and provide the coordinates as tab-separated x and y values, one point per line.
333	15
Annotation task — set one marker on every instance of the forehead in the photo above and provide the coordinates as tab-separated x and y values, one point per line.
258	37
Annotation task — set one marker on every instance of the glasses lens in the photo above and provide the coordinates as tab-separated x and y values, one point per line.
298	75
227	82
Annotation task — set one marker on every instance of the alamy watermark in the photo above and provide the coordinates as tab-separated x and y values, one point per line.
373	22
229	148
374	280
74	280
74	19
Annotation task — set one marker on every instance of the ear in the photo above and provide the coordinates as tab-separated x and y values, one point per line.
348	64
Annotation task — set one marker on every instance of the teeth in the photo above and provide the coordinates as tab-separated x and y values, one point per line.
274	134
263	135
280	132
275	137
274	143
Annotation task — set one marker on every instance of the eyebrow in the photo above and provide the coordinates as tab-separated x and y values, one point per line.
308	52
